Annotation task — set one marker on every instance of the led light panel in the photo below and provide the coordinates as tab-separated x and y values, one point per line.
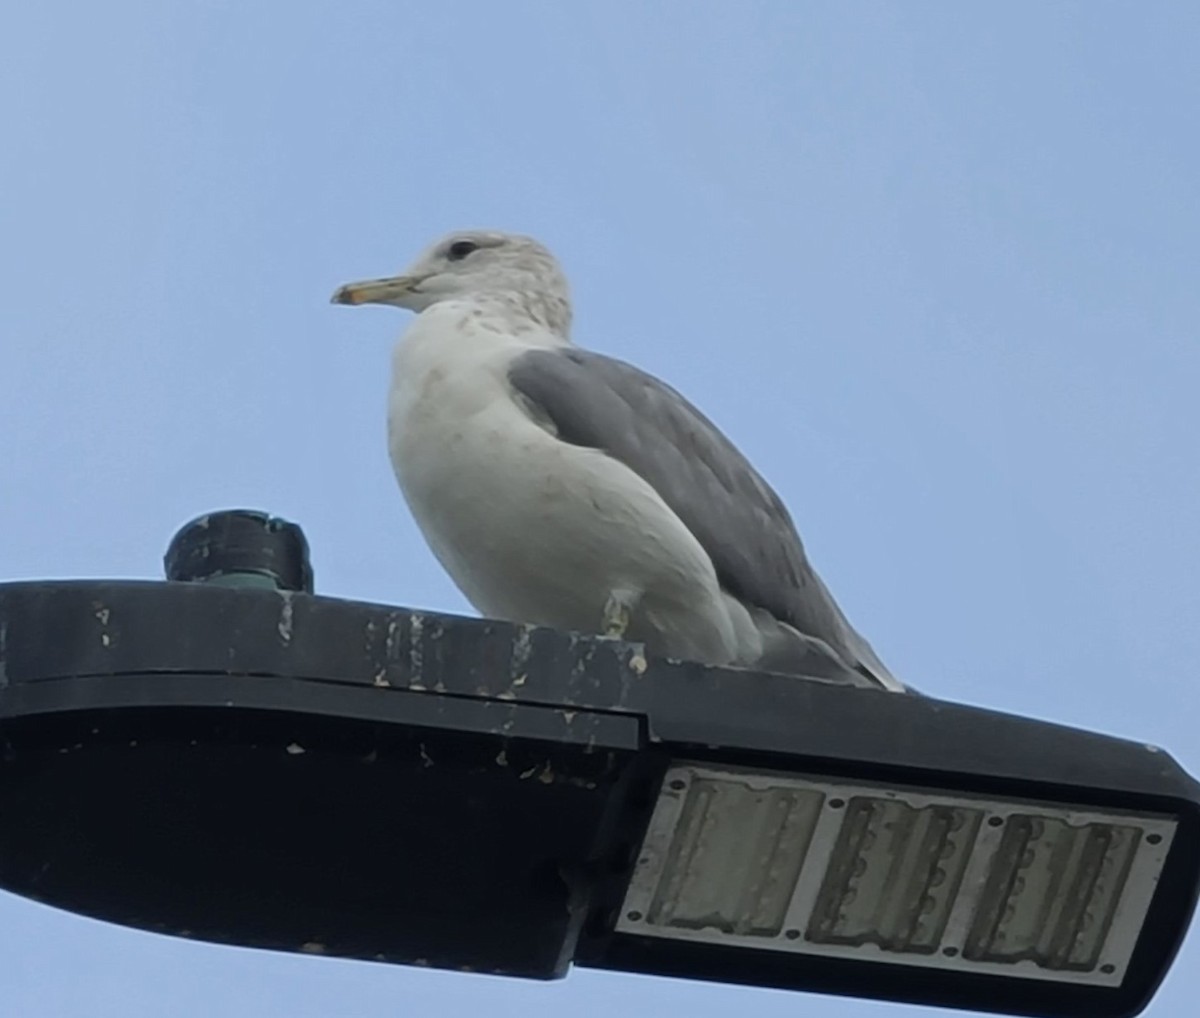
896	875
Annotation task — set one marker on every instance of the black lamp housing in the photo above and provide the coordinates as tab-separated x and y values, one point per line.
248	763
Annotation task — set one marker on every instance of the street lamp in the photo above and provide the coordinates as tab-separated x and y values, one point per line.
230	757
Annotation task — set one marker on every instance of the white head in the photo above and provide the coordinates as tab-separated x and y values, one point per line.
477	265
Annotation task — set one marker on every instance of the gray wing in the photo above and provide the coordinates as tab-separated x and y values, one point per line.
603	403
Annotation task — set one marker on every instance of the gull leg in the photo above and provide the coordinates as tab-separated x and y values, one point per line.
616	616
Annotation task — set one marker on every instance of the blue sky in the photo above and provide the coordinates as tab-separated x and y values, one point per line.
932	266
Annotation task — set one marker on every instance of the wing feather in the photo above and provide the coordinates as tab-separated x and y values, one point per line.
604	403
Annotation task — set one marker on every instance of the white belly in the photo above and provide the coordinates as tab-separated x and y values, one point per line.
533	529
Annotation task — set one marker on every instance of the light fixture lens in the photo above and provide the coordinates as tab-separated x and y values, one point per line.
896	875
735	857
1052	892
893	875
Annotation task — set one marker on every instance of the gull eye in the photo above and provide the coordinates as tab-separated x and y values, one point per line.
460	249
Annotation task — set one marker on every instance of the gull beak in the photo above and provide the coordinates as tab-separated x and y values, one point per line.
394	290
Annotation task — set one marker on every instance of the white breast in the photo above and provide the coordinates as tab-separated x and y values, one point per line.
531	528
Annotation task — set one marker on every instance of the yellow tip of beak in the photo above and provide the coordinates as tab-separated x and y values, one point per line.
347	295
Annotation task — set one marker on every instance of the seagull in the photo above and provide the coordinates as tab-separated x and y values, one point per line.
564	488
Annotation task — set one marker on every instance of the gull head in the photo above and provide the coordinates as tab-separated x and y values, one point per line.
474	264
